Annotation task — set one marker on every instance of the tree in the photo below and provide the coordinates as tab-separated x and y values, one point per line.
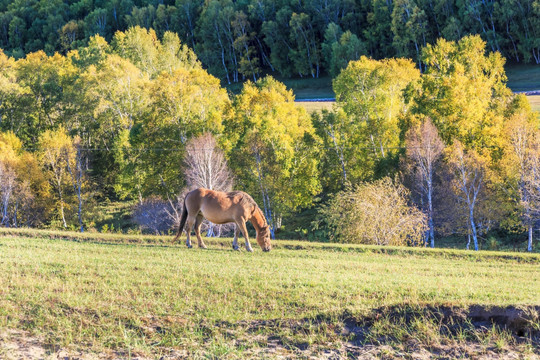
463	91
409	25
152	56
374	213
371	94
7	188
41	104
532	187
272	148
75	169
469	180
23	187
249	62
206	166
57	154
306	55
521	168
424	148
118	93
183	104
349	47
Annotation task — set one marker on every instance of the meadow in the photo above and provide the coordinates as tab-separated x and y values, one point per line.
124	295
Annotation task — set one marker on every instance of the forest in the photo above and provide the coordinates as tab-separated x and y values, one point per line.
237	40
407	155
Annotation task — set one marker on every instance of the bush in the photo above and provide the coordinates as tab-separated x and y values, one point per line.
153	214
374	213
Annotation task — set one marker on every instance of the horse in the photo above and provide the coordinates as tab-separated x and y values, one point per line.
223	207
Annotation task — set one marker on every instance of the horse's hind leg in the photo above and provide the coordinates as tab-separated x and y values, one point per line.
189	227
198	223
235	241
242	225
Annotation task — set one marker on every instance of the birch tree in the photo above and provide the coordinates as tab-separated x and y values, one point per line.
206	166
75	168
469	180
424	148
56	151
273	147
371	94
522	168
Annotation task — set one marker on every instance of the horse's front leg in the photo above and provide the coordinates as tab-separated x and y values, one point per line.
242	225
235	241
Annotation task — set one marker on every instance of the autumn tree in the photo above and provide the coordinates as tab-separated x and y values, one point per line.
370	92
464	92
182	104
23	187
469	170
272	150
520	168
57	155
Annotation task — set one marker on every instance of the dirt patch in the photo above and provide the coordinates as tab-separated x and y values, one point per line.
410	332
20	345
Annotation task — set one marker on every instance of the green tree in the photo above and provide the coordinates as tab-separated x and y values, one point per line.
348	48
464	92
272	148
370	92
182	104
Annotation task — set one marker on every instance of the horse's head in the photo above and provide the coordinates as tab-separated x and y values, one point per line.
263	238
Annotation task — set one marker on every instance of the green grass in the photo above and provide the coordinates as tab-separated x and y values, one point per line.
310	88
101	292
523	77
303	88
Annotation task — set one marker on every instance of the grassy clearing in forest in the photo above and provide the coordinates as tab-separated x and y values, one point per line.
312	106
142	299
523	77
534	100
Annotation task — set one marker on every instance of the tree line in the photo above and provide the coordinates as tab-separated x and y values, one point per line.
238	40
139	119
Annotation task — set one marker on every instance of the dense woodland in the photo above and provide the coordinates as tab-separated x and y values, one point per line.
450	150
235	40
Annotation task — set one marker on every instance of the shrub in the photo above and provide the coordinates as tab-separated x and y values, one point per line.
374	213
153	214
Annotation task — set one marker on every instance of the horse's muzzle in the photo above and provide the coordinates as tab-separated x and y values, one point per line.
266	249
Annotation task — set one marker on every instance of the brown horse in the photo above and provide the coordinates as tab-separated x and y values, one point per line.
220	208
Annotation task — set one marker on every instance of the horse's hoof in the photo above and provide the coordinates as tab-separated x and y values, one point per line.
249	249
236	248
189	246
203	247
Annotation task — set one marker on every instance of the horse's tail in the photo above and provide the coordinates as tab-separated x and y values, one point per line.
182	222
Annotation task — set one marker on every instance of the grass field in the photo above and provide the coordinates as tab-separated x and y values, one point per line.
534	100
114	294
312	106
523	77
